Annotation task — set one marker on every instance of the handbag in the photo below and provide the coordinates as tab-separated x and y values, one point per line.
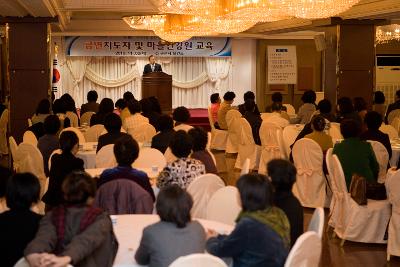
376	191
358	189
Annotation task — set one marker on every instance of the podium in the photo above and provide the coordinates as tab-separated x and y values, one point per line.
158	84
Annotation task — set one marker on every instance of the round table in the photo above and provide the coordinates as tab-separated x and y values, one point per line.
128	230
87	152
395	152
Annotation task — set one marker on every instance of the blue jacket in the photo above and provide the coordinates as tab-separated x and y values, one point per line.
251	244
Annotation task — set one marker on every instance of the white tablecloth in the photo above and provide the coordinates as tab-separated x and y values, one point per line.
129	228
395	152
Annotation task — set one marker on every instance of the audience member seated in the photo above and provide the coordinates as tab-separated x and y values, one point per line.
275	98
156	104
156	250
360	106
49	141
283	175
91	105
356	156
162	139
75	233
215	104
113	124
125	113
135	119
308	108
5	174
59	110
148	112
325	110
183	170
225	106
262	233
393	106
42	111
379	103
18	225
346	111
249	95
126	151
106	107
276	116
119	106
181	116
200	139
318	124
373	120
253	119
70	109
62	165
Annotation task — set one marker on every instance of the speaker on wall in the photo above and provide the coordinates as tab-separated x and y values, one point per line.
320	43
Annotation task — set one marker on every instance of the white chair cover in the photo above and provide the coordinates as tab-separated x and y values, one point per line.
382	156
266	115
271	145
30	138
201	189
24	263
393	114
366	223
334	131
73	118
218	137
198	260
224	205
306	252
85	118
30	123
13	149
289	109
389	130
396	124
149	157
393	193
247	149
143	133
317	222
169	156
80	135
93	133
57	151
105	157
232	120
245	167
3	132
310	184
290	134
333	187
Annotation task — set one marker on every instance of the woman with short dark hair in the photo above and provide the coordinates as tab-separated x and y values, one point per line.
113	124
379	103
199	149
324	140
42	111
156	249
262	233
308	108
75	233
106	107
166	131
181	116
49	141
18	225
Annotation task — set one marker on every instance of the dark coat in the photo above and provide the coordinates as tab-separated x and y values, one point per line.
108	139
147	68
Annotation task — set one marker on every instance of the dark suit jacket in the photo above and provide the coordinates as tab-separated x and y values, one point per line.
61	165
90	106
242	109
147	68
255	123
161	140
108	138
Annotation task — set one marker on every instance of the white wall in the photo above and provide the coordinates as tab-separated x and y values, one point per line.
243	67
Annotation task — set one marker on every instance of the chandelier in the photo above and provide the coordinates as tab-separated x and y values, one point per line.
388	33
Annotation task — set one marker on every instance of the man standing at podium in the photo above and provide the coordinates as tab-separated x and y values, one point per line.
152	66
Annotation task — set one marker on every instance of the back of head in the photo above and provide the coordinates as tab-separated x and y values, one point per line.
68	140
324	106
359	104
156	104
181	114
68	102
318	123
255	192
282	174
128	96
276	97
51	124
349	128
43	107
200	138
78	187
112	123
23	189
120	104
229	96
276	106
345	105
181	144
146	105
309	96
214	98
58	106
249	105
249	95
379	97
126	150
134	106
373	120
165	123
106	106
173	205
92	96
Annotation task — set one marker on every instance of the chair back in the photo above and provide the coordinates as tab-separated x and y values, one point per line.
334	131
232	121
290	134
80	135
93	133
57	151
198	260
396	123
30	123
245	167
392	185
149	157
143	133
224	205
310	185
389	130
271	145
73	118
317	222
393	114
85	118
13	146
266	115
24	263
247	148
306	252
105	157
122	196
382	156
338	175
289	109
201	189
30	138
4	119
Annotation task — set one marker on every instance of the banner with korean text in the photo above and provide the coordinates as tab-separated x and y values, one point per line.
146	46
282	65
